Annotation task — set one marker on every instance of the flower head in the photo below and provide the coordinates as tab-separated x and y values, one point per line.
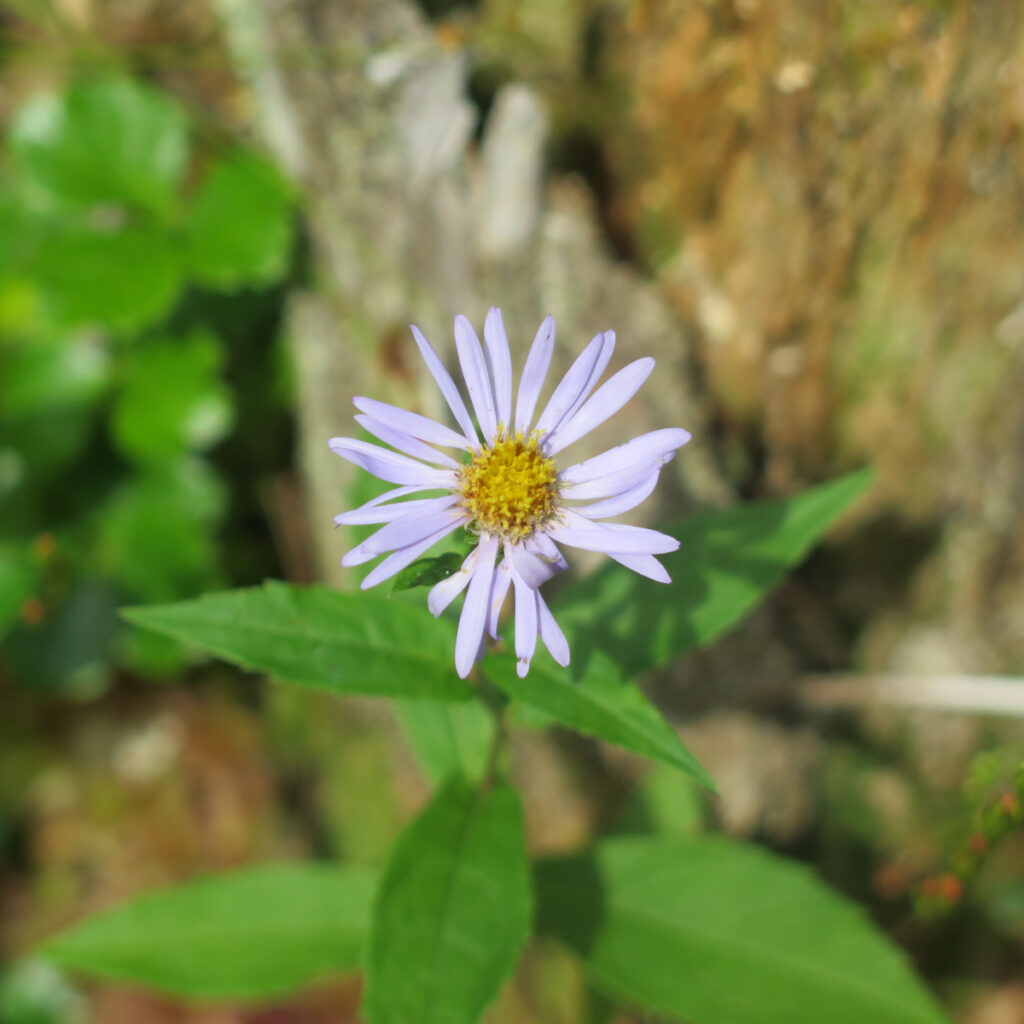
507	487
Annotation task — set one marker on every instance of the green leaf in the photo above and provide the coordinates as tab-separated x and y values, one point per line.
156	533
672	803
258	932
425	572
33	449
725	563
19	229
716	932
35	992
123	279
44	374
452	912
114	140
600	704
347	643
171	400
448	739
240	226
151	655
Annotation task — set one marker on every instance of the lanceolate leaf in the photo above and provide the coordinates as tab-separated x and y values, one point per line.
725	563
452	912
448	738
257	932
348	643
716	932
601	704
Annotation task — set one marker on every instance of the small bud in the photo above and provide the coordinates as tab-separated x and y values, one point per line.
1009	804
938	894
950	888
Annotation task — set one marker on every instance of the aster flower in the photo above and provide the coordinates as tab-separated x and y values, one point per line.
507	487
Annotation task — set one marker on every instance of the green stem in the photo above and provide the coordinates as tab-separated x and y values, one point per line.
498	741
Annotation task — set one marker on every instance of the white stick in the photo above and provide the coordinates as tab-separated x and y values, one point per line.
977	695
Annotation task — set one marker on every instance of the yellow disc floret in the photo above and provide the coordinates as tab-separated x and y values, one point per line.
510	488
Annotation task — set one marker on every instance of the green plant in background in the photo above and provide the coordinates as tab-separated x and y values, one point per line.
994	795
686	924
35	992
113	228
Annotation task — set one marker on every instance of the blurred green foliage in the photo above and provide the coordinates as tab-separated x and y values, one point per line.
127	254
35	992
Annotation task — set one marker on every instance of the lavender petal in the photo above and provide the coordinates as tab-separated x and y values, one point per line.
578	532
404	443
613	484
547	550
551	633
602	404
656	448
407	529
619	503
534	372
499	590
443	593
396	469
645	565
474	370
474	610
603	359
526	624
531	568
366	516
571	386
397	561
501	365
444	381
397	492
411	423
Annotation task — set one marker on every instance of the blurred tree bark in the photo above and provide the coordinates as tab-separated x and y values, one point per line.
411	220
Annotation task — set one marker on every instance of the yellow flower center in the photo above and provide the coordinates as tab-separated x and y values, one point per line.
510	488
